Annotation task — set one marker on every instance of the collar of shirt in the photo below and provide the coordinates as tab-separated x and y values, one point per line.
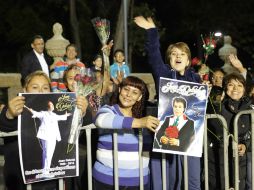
43	62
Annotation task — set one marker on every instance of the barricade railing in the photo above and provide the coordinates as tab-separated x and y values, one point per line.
225	141
226	137
115	159
88	129
235	147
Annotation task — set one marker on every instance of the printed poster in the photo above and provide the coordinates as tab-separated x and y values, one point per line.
181	111
43	132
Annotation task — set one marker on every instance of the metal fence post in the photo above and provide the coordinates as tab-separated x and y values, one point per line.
235	146
116	160
225	141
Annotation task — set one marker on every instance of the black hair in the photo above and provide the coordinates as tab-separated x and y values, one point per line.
36	37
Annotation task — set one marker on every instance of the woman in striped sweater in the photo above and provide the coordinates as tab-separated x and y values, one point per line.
125	116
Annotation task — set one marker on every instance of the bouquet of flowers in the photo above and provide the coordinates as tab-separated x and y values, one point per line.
172	132
209	44
102	28
86	84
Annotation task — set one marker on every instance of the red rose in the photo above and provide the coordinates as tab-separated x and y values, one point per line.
172	132
77	77
206	77
210	42
98	24
195	61
86	80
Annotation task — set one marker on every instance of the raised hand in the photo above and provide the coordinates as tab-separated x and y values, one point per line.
236	63
143	22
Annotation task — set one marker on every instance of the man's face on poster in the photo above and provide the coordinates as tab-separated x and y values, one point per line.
51	106
178	108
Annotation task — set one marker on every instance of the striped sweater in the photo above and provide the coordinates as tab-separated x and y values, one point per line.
57	84
108	118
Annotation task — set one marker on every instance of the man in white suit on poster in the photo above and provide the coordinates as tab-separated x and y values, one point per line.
48	133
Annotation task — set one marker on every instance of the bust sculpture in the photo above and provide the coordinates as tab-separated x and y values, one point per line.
224	52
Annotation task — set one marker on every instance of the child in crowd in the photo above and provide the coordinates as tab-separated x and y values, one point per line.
57	83
97	63
178	57
119	67
124	116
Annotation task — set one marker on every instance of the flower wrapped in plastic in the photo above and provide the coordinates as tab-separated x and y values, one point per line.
85	85
102	28
85	82
209	44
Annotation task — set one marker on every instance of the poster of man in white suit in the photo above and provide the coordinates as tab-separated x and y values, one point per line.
48	133
43	131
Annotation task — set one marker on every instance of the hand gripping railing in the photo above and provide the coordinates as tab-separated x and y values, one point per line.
225	141
235	147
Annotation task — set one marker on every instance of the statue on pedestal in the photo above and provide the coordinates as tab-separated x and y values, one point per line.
224	52
56	46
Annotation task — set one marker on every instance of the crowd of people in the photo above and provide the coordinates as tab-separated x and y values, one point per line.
118	103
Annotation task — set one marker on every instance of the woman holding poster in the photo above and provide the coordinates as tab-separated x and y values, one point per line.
178	58
36	82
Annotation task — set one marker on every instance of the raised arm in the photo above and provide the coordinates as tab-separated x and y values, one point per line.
237	64
145	23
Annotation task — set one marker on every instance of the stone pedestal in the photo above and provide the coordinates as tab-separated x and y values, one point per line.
224	52
11	81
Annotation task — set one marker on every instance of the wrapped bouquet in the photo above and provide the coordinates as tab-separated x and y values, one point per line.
102	28
85	85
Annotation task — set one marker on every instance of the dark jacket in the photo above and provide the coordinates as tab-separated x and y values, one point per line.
228	108
30	63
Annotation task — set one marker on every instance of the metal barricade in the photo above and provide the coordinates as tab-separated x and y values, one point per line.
226	142
88	129
235	147
115	151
